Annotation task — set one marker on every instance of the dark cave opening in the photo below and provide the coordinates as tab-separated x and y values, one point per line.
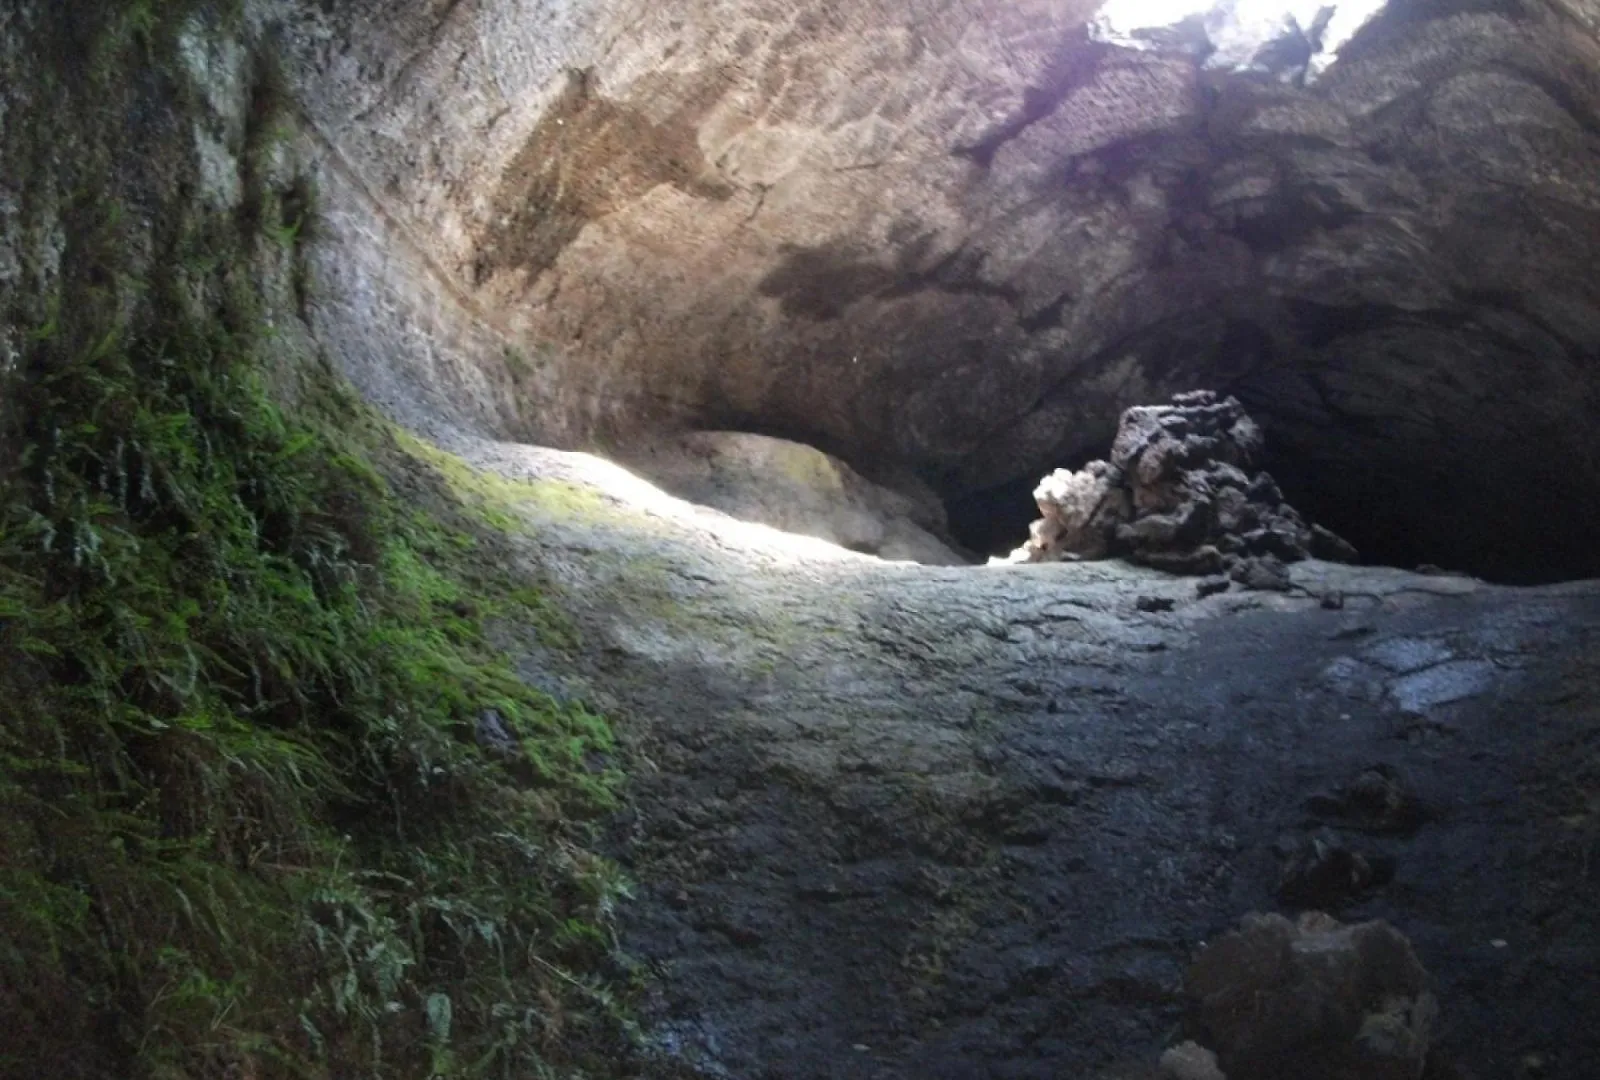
1493	523
1449	438
994	521
1404	521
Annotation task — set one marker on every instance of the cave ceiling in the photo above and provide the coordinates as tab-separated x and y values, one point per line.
958	238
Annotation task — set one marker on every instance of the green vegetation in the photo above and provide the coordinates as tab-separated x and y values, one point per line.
496	499
253	821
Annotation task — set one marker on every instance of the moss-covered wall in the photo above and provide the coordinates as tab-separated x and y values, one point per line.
270	803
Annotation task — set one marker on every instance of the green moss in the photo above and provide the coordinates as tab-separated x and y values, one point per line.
650	586
568	500
553	626
247	827
503	502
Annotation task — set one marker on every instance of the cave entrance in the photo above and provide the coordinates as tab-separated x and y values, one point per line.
994	521
1392	520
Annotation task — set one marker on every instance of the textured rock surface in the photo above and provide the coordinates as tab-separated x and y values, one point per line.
931	823
963	237
797	489
1313	999
903	821
1179	494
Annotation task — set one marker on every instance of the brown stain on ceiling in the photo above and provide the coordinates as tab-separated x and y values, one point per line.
589	156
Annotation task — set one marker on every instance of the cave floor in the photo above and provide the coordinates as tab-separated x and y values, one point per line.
890	820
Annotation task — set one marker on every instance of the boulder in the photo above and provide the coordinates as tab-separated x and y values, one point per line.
1190	1061
1313	1000
1090	505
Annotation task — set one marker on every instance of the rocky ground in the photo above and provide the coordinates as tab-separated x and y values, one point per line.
894	820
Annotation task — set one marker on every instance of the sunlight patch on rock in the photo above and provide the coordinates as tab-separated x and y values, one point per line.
1293	40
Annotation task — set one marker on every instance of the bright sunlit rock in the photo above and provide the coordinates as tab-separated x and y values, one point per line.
1295	40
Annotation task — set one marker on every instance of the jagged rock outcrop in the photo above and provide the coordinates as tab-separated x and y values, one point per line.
963	238
1313	999
1179	494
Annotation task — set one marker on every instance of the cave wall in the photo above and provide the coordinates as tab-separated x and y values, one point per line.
962	238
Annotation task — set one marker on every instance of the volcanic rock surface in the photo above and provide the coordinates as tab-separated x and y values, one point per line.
907	822
898	821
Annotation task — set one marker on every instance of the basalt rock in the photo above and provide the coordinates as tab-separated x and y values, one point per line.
1179	494
905	822
1320	871
1313	999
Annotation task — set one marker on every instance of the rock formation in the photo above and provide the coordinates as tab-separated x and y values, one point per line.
1179	494
925	822
1190	1061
